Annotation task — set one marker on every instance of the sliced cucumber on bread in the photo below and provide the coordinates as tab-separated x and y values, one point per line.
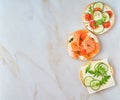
95	85
99	5
102	15
99	29
97	15
102	65
97	75
106	17
88	80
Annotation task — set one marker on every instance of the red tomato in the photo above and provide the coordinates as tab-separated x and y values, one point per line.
93	24
106	24
88	17
110	13
97	9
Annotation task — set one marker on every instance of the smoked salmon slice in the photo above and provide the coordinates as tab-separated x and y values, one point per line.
89	44
80	35
83	44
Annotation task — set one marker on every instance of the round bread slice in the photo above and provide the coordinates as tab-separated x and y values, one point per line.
97	18
85	56
81	73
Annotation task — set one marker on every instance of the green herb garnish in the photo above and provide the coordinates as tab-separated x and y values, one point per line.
71	40
104	80
88	68
104	19
99	22
90	9
100	70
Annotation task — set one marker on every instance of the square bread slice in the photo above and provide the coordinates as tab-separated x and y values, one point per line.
97	75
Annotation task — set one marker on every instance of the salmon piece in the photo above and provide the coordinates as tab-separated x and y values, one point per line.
74	50
77	48
95	51
91	54
74	46
89	44
82	50
80	35
83	45
74	54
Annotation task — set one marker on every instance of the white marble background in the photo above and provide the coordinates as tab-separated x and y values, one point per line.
34	63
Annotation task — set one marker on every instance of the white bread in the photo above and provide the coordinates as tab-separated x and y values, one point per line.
110	71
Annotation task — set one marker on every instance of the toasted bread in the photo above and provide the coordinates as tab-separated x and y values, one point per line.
96	61
111	19
81	57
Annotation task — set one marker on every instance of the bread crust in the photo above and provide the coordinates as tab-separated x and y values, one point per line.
113	21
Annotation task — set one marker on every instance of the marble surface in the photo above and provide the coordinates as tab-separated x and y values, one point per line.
34	63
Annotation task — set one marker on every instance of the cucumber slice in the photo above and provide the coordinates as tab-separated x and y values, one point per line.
95	85
99	29
96	65
101	68
101	64
97	15
88	80
99	5
106	17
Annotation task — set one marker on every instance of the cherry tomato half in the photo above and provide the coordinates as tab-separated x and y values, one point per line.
93	25
110	13
88	17
106	24
97	9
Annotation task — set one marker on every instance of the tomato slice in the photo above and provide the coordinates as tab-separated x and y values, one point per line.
88	17
97	9
93	25
106	24
110	13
